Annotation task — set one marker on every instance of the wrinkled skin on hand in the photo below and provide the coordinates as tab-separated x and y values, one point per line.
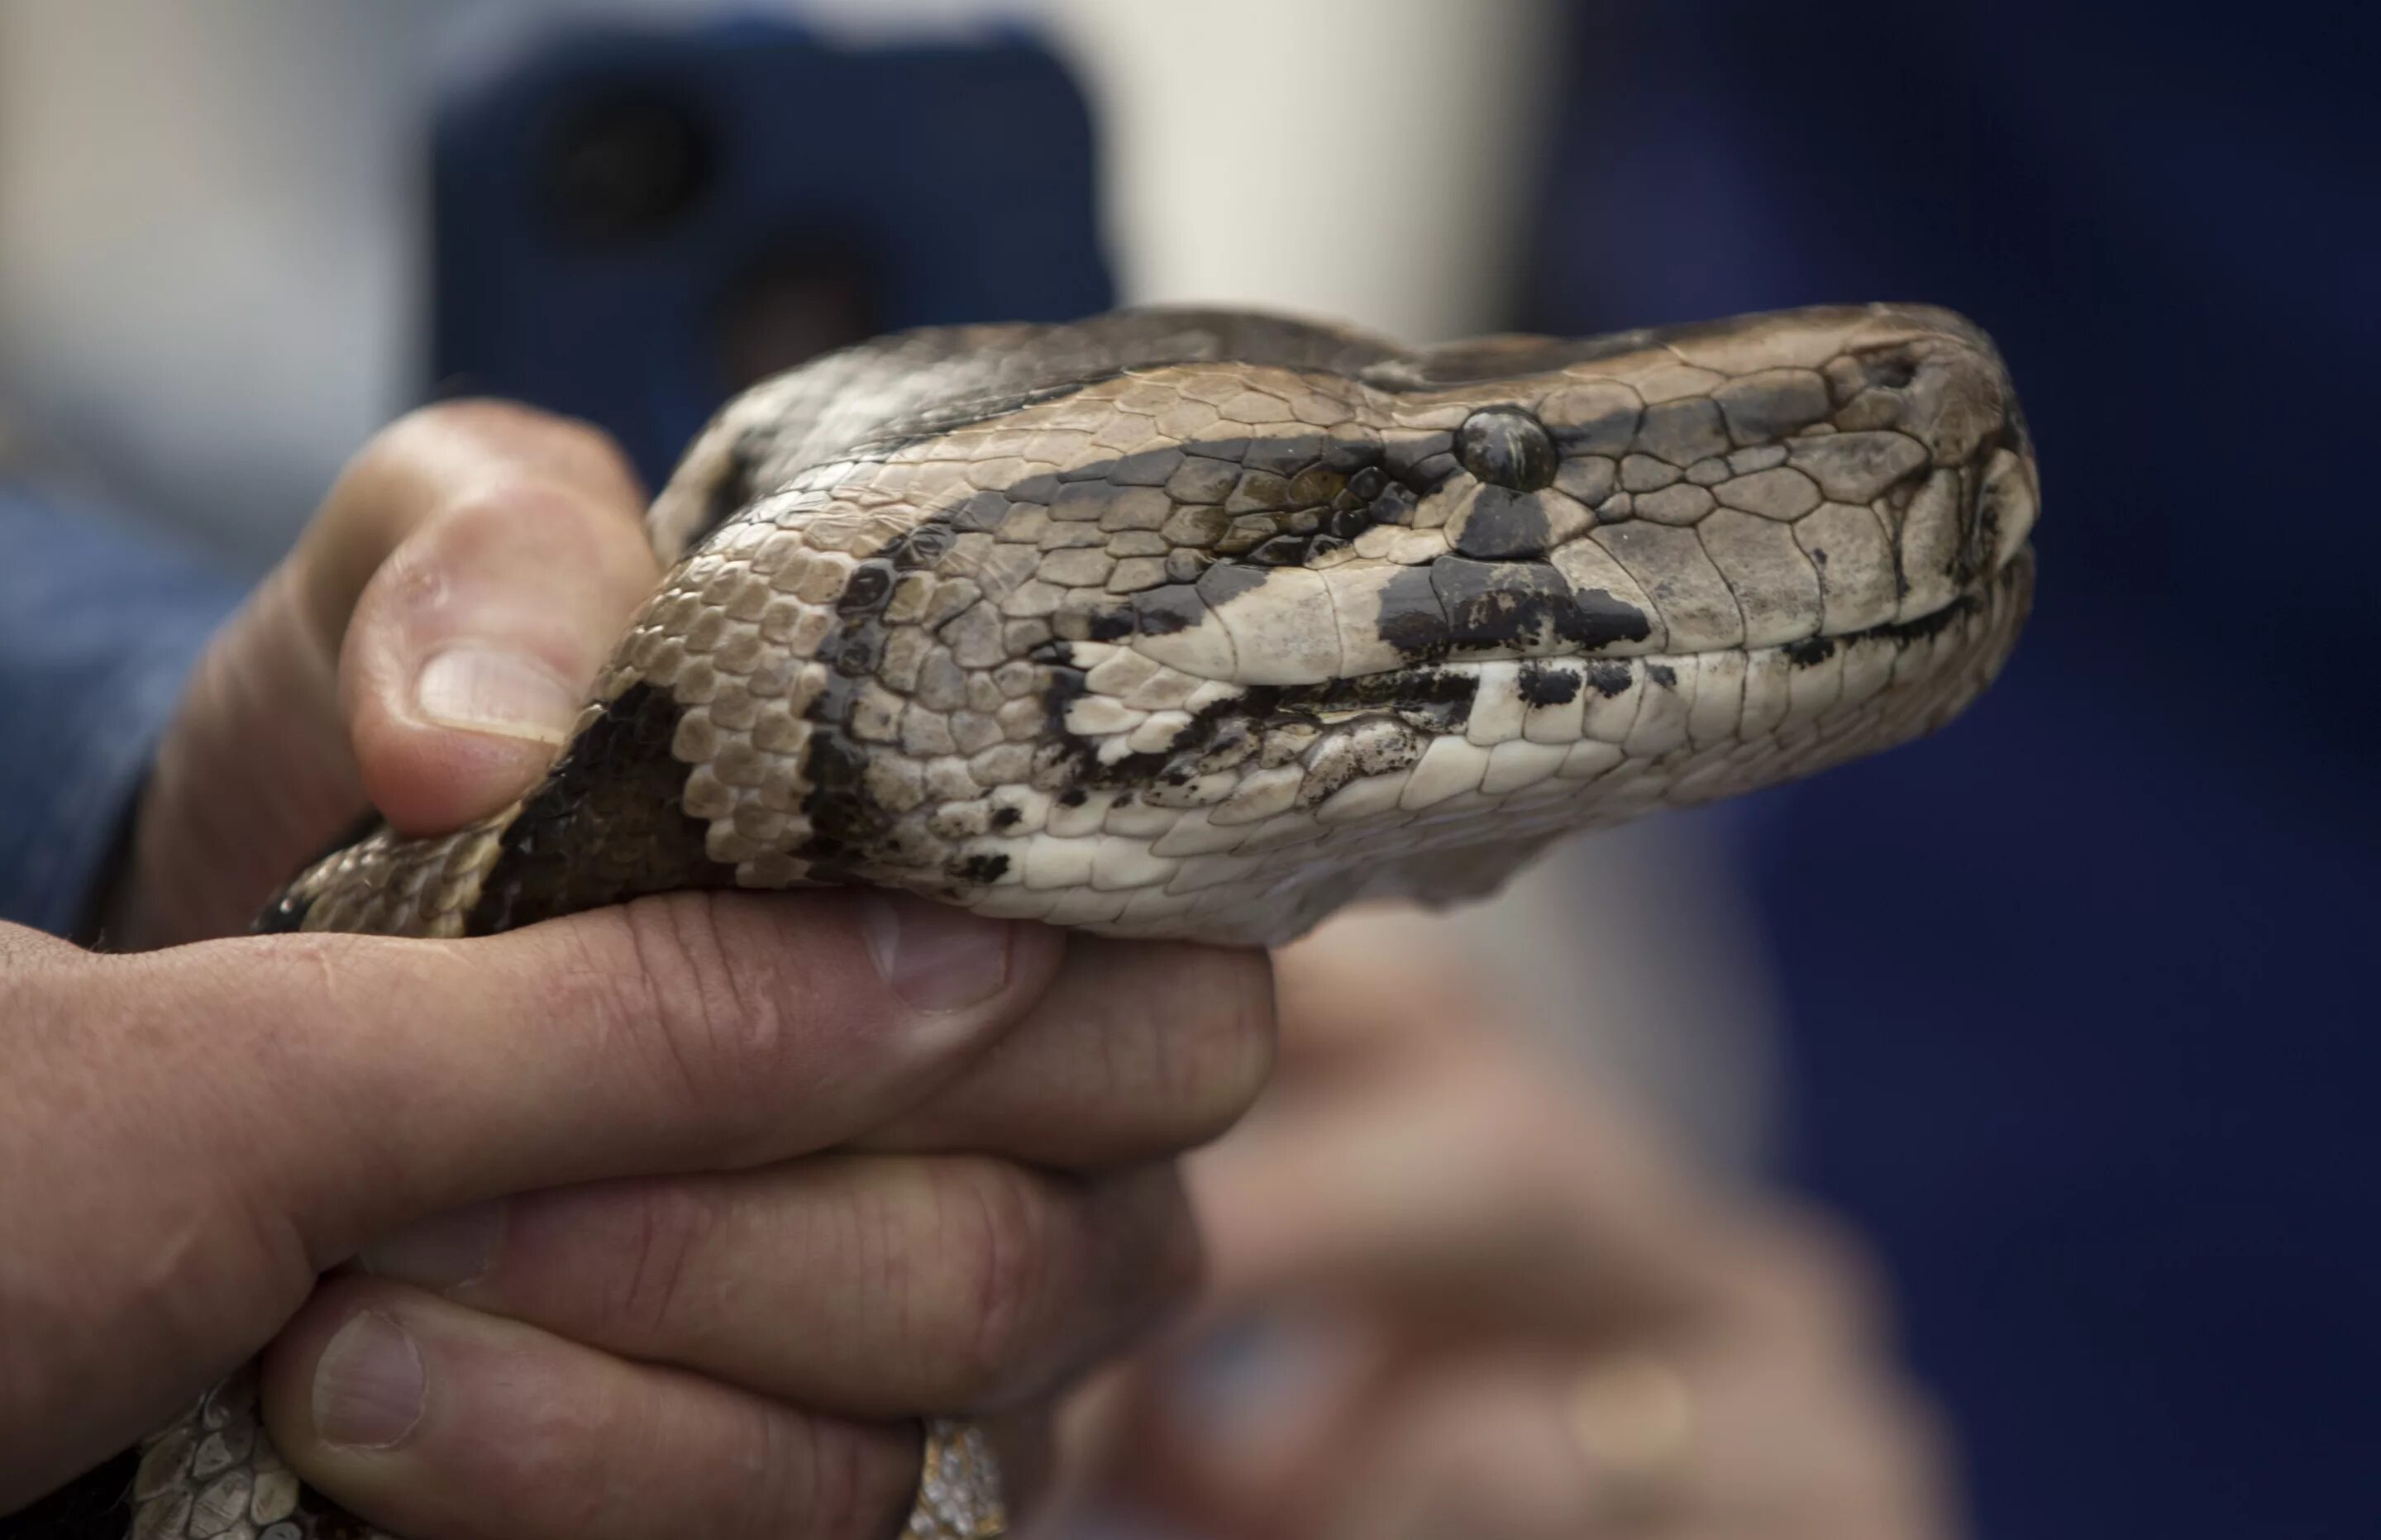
569	1185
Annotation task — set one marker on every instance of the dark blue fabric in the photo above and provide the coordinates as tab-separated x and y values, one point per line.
955	182
99	624
2084	1026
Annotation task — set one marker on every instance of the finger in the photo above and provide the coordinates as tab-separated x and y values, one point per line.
1366	1442
1225	1430
542	502
867	1285
1781	1435
518	560
423	463
379	1080
1706	1433
1480	1193
1139	1050
428	1418
1373	986
1478	1449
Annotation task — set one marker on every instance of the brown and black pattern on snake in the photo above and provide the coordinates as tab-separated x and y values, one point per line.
1231	518
850	829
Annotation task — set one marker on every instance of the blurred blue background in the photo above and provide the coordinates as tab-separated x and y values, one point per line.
2082	1025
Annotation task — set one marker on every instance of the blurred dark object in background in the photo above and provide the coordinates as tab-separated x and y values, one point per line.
2081	1034
631	224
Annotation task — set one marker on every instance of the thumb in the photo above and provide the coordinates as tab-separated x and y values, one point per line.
424	648
474	639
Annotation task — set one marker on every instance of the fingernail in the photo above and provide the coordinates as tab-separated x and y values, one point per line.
934	956
443	1252
368	1384
488	690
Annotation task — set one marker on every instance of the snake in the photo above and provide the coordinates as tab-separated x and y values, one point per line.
1204	624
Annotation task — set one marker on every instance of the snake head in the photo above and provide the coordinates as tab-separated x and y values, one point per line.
1203	625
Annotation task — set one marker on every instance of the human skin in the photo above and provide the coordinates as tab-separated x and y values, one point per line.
1458	1286
671	1217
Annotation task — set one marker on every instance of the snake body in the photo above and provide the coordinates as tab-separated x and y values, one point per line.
1204	624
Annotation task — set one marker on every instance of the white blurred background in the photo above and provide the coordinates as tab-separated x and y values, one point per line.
212	288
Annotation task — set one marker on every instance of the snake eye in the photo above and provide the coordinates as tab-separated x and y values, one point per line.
1506	446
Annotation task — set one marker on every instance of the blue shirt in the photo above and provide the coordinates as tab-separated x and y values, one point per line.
100	622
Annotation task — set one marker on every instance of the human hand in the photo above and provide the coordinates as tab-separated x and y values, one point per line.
1453	1291
422	651
596	1295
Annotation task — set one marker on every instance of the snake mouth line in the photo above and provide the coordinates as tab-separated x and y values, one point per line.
1440	691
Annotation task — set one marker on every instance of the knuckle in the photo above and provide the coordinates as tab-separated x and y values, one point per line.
674	996
1004	1248
610	982
1035	1276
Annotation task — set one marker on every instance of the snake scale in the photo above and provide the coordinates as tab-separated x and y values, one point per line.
1203	624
